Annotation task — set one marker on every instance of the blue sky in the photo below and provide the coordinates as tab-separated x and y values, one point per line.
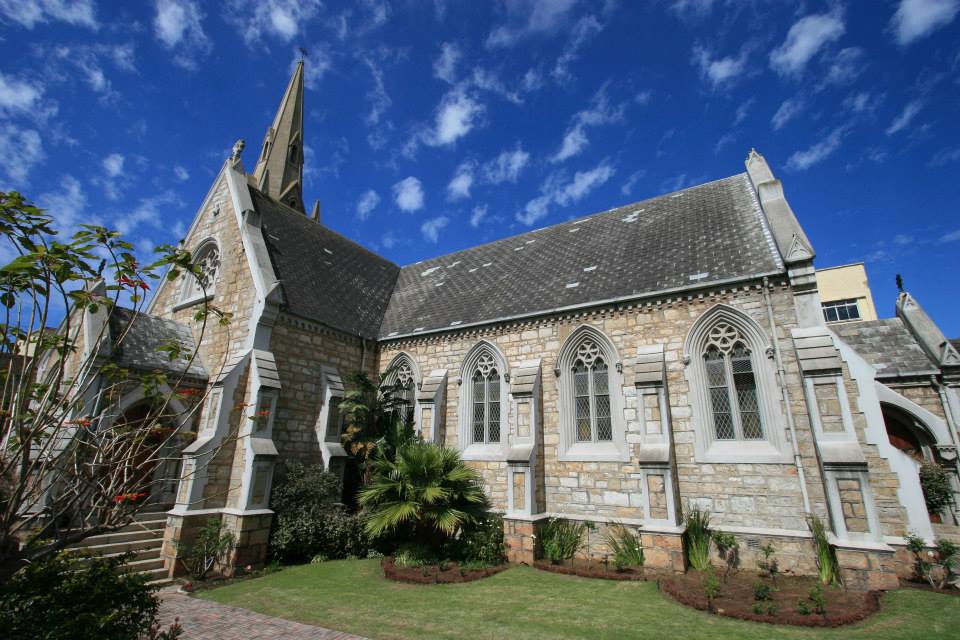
433	126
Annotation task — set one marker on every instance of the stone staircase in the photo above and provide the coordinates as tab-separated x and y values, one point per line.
143	537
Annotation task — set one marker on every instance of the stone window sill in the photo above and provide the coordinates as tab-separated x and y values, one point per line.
742	452
477	451
192	302
595	452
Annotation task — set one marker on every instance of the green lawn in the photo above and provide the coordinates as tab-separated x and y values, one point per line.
352	595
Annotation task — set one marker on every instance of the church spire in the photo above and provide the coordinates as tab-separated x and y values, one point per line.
279	170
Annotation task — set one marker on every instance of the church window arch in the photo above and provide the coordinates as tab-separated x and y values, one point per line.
736	408
591	398
403	372
483	403
202	283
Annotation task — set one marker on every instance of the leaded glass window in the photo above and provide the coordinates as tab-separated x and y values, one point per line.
405	378
732	386
485	409
591	394
207	263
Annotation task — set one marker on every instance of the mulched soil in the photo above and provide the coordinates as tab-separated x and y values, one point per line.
588	569
925	586
432	574
736	599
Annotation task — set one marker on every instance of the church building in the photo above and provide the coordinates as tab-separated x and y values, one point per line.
623	366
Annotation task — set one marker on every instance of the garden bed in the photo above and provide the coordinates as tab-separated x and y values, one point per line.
736	599
925	586
449	573
589	569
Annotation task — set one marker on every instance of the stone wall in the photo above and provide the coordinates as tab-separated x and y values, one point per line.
750	495
301	349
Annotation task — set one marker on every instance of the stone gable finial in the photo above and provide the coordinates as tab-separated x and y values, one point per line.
237	150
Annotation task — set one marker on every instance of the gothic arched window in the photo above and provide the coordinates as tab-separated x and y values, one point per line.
591	390
737	415
203	282
485	405
590	387
402	375
733	386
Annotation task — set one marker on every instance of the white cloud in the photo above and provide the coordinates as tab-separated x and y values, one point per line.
488	81
631	181
916	19
388	240
845	66
367	203
20	151
281	19
743	110
806	38
456	116
944	157
113	165
461	183
378	97
17	96
66	205
181	173
583	31
149	211
903	239
691	8
178	27
802	160
478	215
952	236
445	67
719	71
600	112
557	190
431	228
530	17
906	116
507	166
408	194
30	12
787	111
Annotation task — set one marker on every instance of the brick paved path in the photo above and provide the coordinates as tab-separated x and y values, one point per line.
206	620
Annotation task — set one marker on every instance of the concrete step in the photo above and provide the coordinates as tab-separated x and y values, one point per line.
147	564
140	549
153	512
947	531
134	535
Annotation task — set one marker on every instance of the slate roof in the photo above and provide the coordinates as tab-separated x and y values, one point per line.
887	345
138	348
705	234
325	276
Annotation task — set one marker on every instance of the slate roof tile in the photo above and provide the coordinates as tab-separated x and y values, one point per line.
887	345
325	276
138	348
707	233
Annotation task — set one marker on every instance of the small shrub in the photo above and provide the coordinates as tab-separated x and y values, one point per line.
935	482
711	586
697	538
729	551
209	550
413	555
921	566
762	591
561	539
482	542
60	597
626	547
768	564
827	567
803	607
319	559
758	608
818	599
310	521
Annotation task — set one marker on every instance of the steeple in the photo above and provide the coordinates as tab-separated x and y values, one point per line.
279	170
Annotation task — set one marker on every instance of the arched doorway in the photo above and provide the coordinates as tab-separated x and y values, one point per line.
913	438
156	471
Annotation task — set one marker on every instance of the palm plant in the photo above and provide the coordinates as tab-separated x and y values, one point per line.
425	495
827	567
376	419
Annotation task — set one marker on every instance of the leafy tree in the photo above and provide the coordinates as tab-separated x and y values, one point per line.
71	465
378	423
426	495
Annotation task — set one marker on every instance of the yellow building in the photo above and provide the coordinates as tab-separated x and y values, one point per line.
845	293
